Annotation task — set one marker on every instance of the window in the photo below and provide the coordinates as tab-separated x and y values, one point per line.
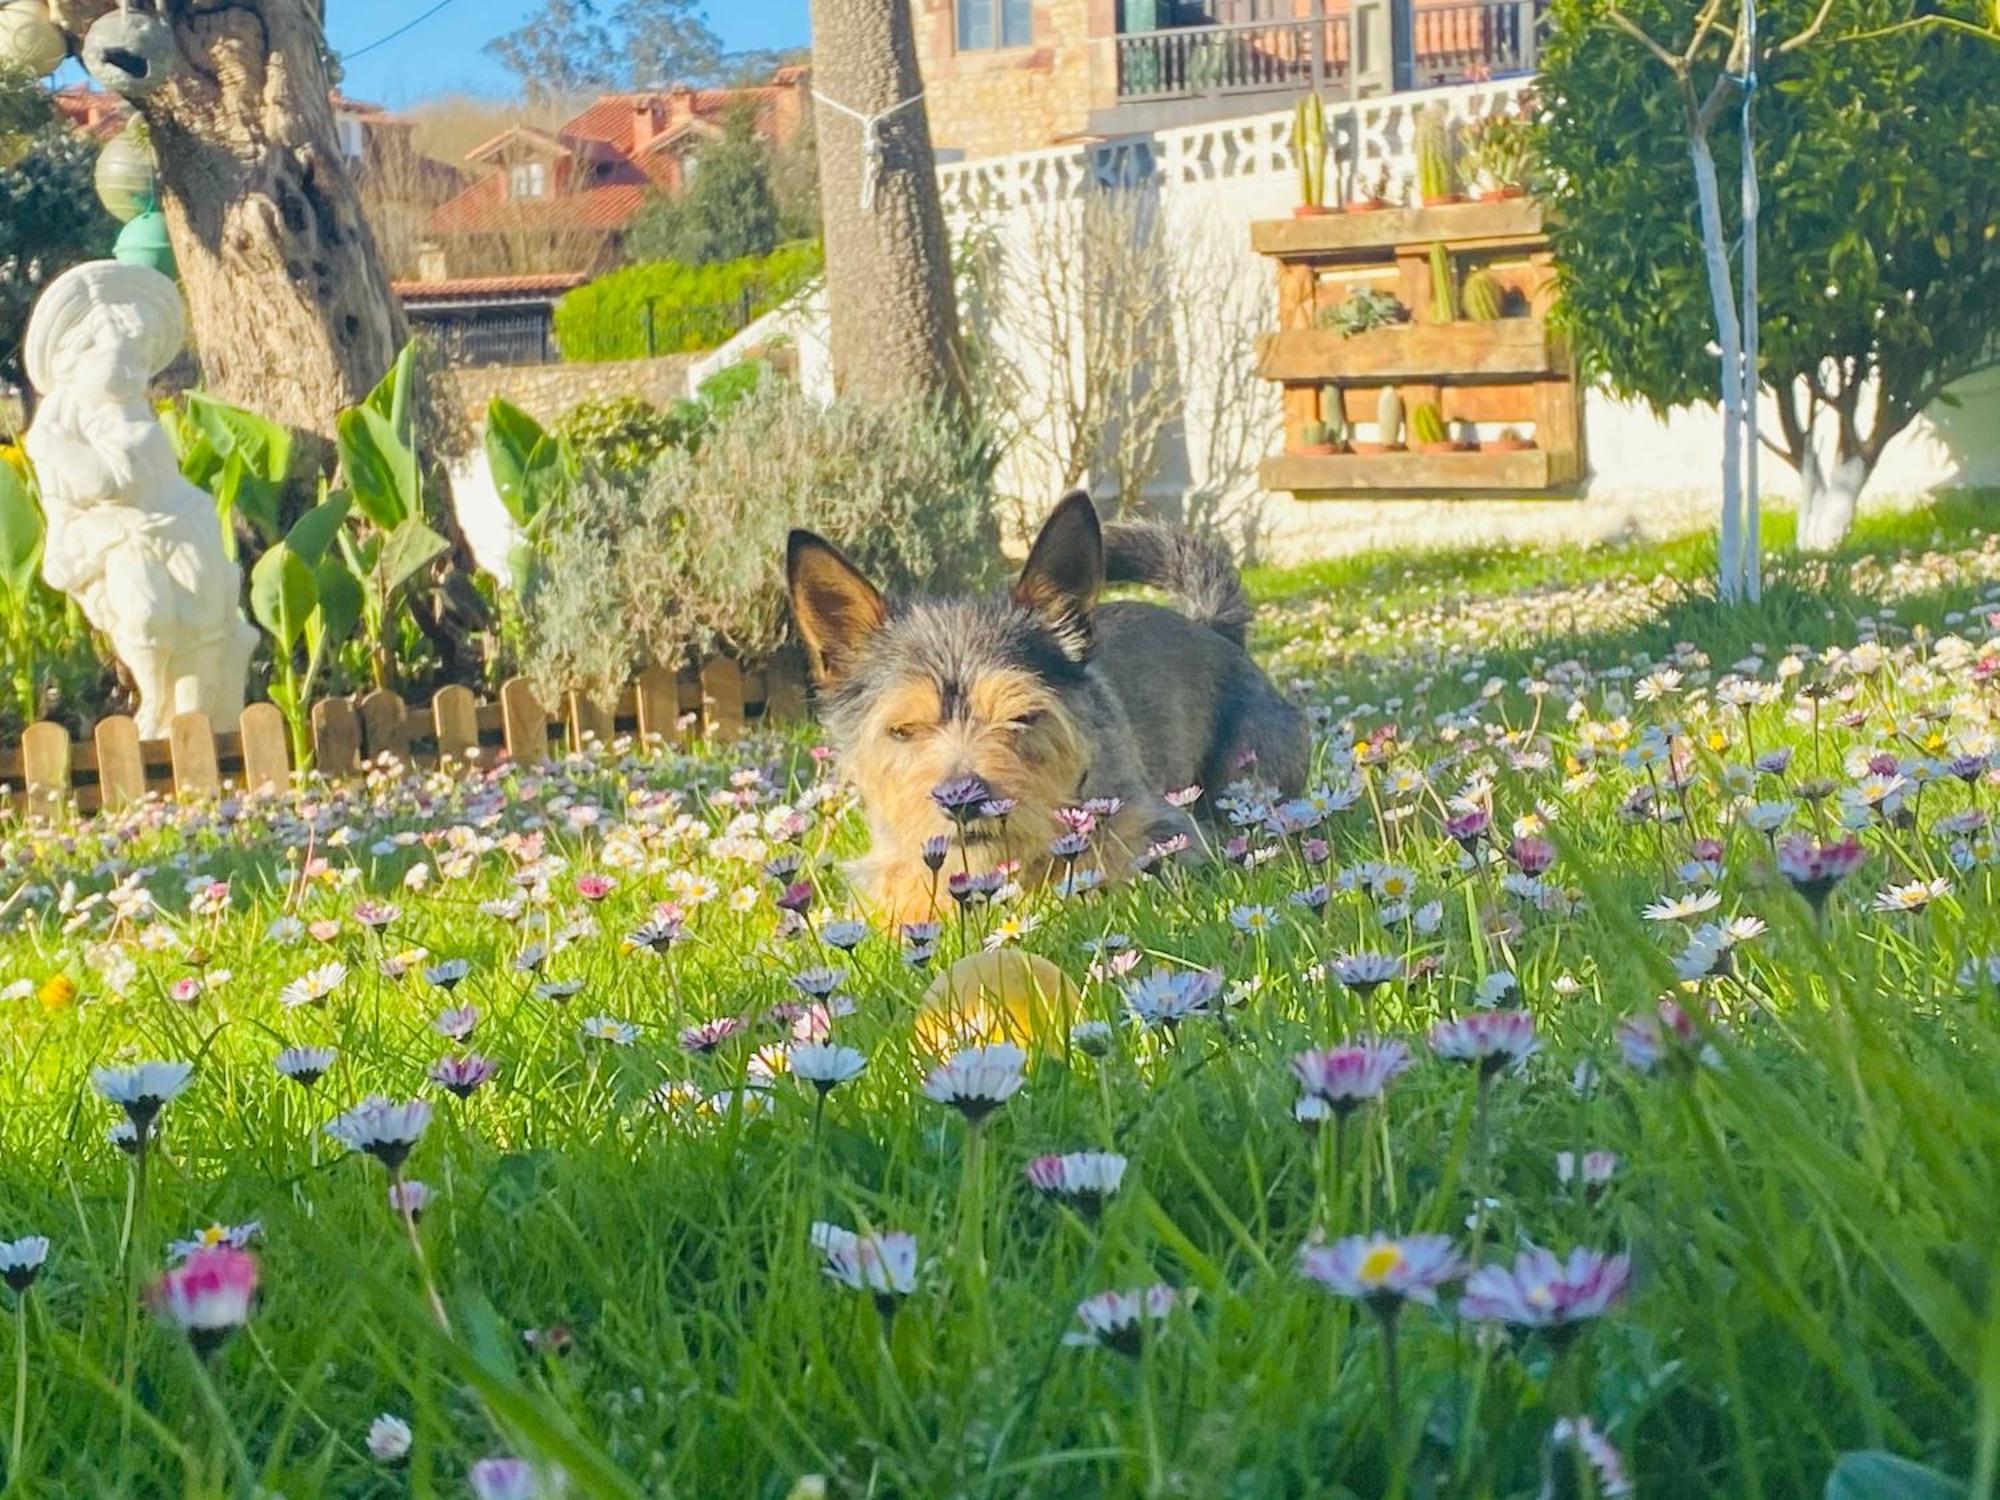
984	25
528	179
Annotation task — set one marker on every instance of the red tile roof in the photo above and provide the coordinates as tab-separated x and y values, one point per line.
550	283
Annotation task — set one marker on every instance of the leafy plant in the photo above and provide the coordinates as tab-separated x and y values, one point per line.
1309	149
1444	291
728	211
302	593
1496	152
241	459
1362	309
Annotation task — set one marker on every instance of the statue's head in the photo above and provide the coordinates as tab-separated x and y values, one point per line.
105	328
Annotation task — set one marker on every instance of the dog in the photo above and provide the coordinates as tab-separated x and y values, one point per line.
981	732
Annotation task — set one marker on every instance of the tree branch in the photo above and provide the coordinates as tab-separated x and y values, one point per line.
1793	43
1638	33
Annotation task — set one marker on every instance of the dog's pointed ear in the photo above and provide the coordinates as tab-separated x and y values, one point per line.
1065	573
836	608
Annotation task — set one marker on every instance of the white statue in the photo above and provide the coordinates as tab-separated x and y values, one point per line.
136	545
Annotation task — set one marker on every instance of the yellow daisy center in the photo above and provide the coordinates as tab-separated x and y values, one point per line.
1380	1263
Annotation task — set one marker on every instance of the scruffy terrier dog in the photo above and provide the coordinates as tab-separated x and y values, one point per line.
1040	727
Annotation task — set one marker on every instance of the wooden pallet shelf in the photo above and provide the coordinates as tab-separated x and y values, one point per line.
1411	475
1462	350
1508	371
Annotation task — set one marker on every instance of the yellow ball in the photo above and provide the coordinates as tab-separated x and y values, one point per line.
1002	996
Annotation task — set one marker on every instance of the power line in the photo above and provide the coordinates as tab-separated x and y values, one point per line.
408	25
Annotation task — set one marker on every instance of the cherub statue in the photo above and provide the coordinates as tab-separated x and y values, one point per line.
129	538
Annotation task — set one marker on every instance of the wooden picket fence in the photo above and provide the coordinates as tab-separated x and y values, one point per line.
49	776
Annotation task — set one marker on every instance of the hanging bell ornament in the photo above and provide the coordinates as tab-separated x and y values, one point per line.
129	51
127	184
29	40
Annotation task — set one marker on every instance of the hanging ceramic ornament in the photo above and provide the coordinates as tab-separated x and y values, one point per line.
144	242
127	185
129	51
29	40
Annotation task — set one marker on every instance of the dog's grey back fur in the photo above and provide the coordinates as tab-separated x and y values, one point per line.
1194	569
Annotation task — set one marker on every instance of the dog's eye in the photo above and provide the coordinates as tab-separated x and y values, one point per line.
903	731
1027	720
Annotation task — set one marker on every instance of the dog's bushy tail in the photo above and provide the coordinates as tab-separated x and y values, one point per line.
1197	571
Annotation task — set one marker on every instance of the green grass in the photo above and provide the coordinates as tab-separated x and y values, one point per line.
1807	1191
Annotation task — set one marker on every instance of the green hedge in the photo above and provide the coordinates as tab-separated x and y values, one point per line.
693	307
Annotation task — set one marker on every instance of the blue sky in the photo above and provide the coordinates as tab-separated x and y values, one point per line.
444	54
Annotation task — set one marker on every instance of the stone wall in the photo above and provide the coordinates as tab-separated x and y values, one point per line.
545	392
985	103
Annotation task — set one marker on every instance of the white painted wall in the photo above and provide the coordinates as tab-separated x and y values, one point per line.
1647	475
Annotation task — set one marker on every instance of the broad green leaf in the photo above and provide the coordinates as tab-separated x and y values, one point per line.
408	550
381	469
314	531
527	463
340	601
282	594
1883	1476
20	532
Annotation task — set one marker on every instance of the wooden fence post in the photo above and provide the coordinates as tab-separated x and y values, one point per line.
121	767
784	689
659	695
525	723
45	769
385	726
267	761
587	720
191	742
455	717
722	698
336	732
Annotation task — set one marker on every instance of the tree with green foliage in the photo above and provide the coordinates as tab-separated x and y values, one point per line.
725	212
1879	236
50	218
575	46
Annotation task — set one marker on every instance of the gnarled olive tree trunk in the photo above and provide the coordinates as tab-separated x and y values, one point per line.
291	308
893	314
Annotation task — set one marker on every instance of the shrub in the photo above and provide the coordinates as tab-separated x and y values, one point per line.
726	212
689	556
665	307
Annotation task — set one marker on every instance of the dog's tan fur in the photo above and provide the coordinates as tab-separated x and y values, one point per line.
1046	696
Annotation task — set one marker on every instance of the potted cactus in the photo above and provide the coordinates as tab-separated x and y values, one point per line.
1309	156
1444	290
1497	157
1484	300
1374	194
1333	415
1437	173
1428	433
1388	424
1507	440
1312	441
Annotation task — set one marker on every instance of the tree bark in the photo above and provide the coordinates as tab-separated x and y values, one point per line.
289	302
893	314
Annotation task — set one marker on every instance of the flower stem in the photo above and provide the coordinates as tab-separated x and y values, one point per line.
409	1219
20	1388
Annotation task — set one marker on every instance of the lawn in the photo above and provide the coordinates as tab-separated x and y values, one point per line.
1577	864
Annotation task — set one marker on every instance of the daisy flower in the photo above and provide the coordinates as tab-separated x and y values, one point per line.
1086	1178
1543	1291
1123	1320
462	1075
236	1236
456	1022
446	974
143	1089
1383	1270
1490	1039
314	986
1166	997
305	1066
1613	1483
385	1130
978	1080
207	1295
1366	972
1254	919
511	1479
1912	897
825	1065
1680	908
1598	1168
609	1029
388	1439
409	1197
1349	1076
21	1260
1095	1038
884	1264
1815	869
846	935
706	1036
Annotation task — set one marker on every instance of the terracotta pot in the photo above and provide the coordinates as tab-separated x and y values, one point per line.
1311	210
1372	450
1506	445
1315	450
1444	447
1368	205
1430	202
1502	194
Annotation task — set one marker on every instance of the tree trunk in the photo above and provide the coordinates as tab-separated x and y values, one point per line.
289	303
1729	335
894	317
1827	501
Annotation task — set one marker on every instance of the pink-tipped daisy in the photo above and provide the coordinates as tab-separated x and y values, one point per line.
1488	1039
208	1294
978	1080
1545	1292
1084	1178
1122	1321
1347	1077
1384	1270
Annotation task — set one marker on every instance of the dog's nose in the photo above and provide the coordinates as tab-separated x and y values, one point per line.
960	796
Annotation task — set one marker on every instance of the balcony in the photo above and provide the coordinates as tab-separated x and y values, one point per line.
1184	75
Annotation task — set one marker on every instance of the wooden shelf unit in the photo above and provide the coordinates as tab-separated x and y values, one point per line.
1512	371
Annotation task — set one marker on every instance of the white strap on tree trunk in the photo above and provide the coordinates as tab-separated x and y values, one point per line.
871	140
